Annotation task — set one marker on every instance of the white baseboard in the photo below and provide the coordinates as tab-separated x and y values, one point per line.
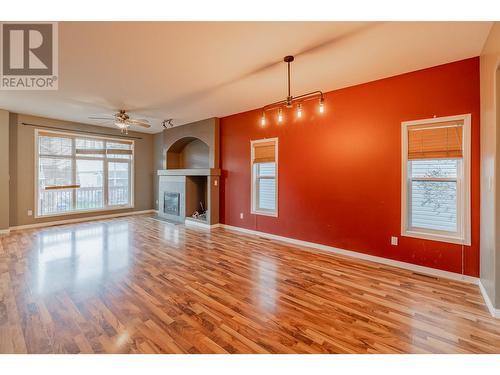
354	254
494	312
4	231
79	220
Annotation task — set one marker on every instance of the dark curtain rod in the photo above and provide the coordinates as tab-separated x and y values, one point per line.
81	131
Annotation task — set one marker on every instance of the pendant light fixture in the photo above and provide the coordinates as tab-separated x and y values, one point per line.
299	110
291	100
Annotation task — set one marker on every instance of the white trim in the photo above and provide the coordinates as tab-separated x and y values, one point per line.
354	254
253	210
4	231
197	223
78	220
433	237
495	313
463	196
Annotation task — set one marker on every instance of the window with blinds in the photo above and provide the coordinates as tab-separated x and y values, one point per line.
77	173
436	179
264	155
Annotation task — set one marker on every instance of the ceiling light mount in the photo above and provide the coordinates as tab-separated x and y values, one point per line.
290	100
167	123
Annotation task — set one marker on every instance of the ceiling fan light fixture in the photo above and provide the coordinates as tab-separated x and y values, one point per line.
123	121
123	126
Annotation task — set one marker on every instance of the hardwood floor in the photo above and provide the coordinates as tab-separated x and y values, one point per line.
137	285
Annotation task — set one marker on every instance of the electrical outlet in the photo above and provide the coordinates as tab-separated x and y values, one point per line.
30	213
241	215
394	241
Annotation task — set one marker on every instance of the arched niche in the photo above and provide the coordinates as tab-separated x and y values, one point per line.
188	152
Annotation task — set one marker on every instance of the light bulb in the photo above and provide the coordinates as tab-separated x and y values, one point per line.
299	110
263	120
321	105
280	115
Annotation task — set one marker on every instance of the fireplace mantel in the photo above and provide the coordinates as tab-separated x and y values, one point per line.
190	172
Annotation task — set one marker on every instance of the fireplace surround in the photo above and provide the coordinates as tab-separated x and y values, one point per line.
188	186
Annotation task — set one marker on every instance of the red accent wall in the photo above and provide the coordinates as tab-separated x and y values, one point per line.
340	172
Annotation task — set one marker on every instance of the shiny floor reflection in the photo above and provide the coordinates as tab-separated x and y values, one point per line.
138	285
76	257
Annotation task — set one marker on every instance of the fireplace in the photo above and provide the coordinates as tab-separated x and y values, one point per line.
171	203
188	186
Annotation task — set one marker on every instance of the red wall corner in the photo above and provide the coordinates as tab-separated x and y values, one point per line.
340	172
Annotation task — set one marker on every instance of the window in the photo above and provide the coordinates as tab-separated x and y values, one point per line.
436	179
77	173
264	177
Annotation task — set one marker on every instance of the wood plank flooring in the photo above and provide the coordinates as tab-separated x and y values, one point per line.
137	285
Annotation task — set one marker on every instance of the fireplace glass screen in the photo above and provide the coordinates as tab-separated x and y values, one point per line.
171	203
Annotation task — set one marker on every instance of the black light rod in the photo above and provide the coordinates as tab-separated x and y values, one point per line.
80	131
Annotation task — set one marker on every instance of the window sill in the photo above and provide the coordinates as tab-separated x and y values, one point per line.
435	237
264	213
80	212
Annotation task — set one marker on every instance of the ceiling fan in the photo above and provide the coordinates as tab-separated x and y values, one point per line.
123	121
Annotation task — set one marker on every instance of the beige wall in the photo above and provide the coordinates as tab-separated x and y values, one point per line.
159	160
4	170
490	189
22	160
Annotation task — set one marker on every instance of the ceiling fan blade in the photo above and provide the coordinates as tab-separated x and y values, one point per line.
138	123
133	120
142	125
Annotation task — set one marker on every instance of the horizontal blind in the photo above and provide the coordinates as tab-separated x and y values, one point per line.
118	152
434	194
264	152
267	194
54	145
266	174
436	141
89	148
434	205
121	150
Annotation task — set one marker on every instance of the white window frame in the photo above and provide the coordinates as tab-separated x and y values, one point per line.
254	183
463	234
105	178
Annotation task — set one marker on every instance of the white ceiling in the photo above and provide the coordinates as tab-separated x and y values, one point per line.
189	71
